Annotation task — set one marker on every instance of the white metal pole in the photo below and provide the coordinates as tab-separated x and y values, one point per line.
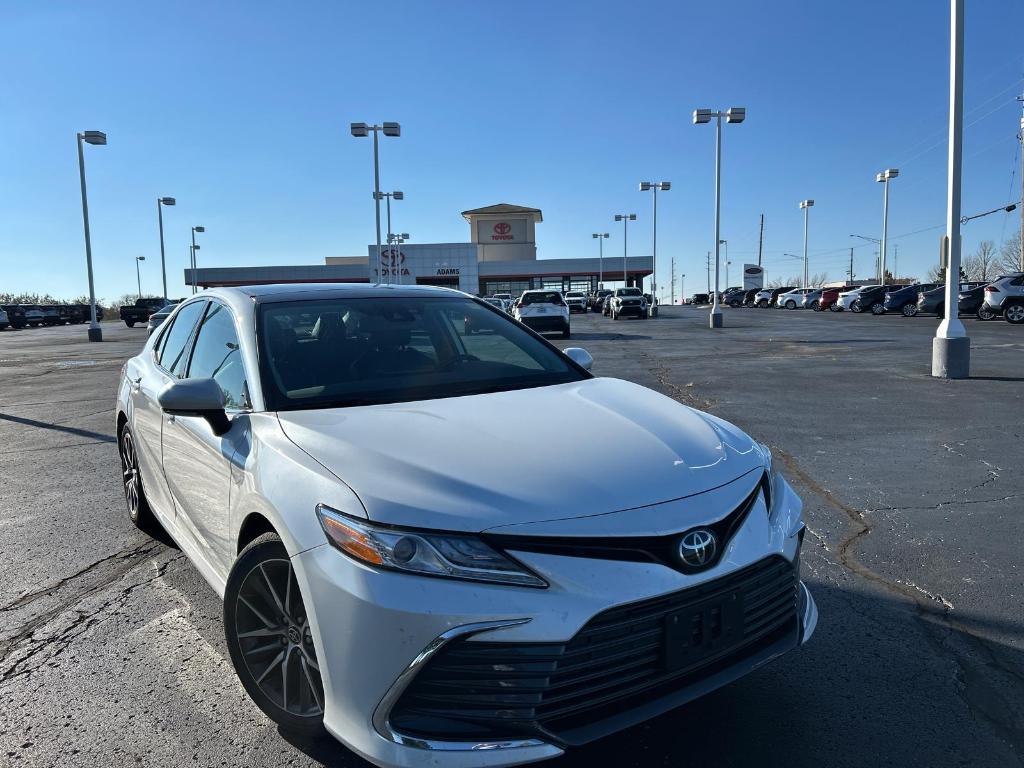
138	277
95	332
163	261
193	260
716	311
600	261
625	274
951	348
885	229
654	264
807	211
376	200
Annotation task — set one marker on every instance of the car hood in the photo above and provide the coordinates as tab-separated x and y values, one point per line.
569	450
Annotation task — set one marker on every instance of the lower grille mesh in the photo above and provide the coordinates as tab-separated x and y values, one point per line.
500	690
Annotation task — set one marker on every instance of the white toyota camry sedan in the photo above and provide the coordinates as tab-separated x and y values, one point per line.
415	550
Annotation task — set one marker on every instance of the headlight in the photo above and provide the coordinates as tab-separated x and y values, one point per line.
455	556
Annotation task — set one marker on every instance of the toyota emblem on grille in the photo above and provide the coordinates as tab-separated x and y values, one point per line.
697	548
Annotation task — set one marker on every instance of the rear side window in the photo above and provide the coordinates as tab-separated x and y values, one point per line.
216	355
171	354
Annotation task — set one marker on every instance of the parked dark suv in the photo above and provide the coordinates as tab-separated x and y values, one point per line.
904	299
873	298
15	315
934	301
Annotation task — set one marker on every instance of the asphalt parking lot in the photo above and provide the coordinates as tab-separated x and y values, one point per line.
111	647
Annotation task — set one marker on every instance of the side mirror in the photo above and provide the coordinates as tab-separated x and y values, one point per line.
196	397
580	356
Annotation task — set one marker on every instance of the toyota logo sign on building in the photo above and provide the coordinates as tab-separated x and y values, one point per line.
502	228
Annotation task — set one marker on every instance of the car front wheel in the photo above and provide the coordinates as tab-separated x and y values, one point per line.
269	637
1014	313
909	309
985	312
834	308
138	508
855	307
878	308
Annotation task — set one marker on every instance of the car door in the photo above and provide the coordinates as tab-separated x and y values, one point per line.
197	462
146	378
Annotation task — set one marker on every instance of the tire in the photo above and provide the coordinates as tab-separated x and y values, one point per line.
763	304
566	333
1014	313
909	309
856	307
816	306
130	323
834	307
131	481
985	313
790	304
878	308
269	638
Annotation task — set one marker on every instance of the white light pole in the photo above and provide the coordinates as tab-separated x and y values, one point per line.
732	115
601	237
96	138
362	130
806	206
387	196
883	178
194	260
138	275
951	348
654	186
625	218
160	203
682	289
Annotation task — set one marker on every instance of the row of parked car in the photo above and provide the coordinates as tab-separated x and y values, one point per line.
38	315
1002	297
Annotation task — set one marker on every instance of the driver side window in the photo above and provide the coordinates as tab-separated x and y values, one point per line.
217	355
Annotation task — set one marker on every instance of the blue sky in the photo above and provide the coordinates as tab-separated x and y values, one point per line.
241	112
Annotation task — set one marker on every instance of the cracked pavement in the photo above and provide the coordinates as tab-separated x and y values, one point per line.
112	651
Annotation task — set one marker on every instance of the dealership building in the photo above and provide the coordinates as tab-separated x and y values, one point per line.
500	257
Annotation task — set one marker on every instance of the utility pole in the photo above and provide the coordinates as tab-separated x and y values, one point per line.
895	263
851	265
760	241
709	273
1021	137
673	299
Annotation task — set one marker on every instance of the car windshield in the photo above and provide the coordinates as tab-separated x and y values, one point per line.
330	353
627	292
541	297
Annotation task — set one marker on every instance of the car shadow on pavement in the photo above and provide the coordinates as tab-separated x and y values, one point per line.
882	682
99	436
610	336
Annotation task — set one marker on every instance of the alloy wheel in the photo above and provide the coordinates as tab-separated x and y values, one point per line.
1014	313
909	310
275	640
130	473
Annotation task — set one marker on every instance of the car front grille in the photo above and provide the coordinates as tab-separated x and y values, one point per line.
618	661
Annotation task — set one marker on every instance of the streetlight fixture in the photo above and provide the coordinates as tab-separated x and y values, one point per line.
96	138
194	249
138	275
883	178
160	203
601	237
732	115
951	347
806	206
361	131
625	218
654	186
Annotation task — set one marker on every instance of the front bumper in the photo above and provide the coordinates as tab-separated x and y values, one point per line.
375	631
627	310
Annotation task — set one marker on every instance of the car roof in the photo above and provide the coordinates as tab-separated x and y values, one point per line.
262	294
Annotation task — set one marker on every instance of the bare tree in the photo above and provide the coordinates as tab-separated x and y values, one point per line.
1009	256
981	265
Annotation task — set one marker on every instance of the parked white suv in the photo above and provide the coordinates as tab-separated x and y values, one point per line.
1006	295
543	311
848	300
576	301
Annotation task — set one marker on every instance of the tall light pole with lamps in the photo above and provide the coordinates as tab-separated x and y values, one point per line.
951	348
654	186
731	115
362	130
194	249
387	196
160	203
883	178
96	138
601	237
625	218
806	206
138	274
